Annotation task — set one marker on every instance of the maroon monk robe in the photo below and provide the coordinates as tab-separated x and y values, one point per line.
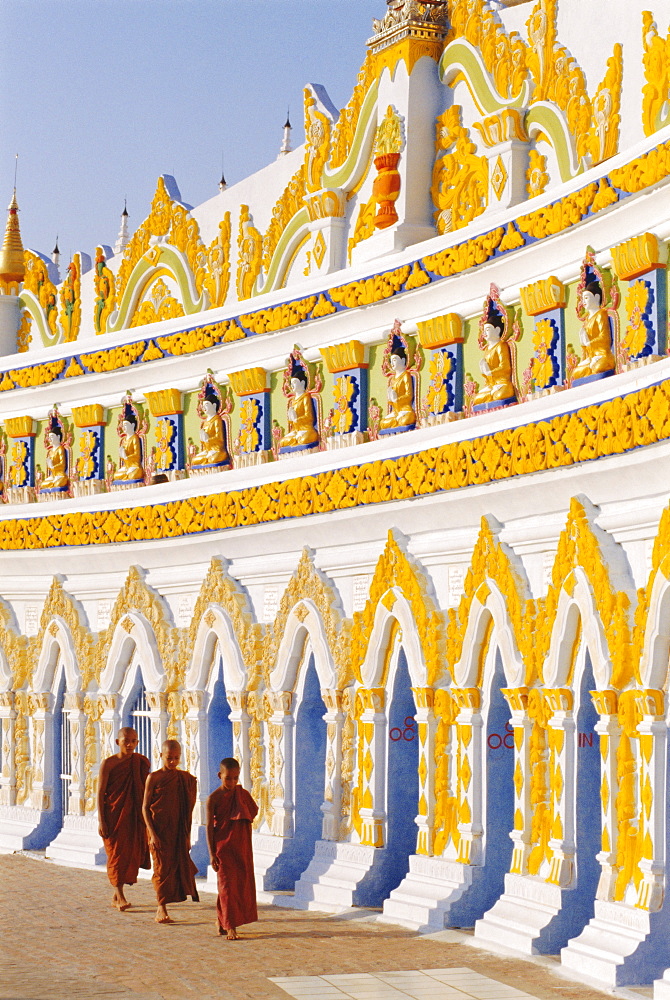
233	813
126	843
171	808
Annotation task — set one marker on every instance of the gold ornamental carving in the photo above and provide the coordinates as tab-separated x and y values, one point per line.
440	331
638	255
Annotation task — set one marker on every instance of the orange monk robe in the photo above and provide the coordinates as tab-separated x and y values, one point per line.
126	843
233	812
171	807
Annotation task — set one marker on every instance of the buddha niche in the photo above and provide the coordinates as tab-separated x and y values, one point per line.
130	450
595	337
213	450
302	431
495	366
56	479
401	414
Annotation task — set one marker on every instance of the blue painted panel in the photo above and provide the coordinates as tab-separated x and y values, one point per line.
310	769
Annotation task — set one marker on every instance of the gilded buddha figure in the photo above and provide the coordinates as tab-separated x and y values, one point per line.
400	392
131	468
496	365
595	336
302	430
56	478
213	450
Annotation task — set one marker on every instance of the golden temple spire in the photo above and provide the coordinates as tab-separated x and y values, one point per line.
12	267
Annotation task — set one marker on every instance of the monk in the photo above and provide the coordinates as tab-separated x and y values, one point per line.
120	823
169	798
230	811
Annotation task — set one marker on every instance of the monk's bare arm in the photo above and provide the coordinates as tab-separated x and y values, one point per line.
102	788
211	805
146	808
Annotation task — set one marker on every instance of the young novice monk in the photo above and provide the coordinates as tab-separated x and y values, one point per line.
120	823
230	810
169	798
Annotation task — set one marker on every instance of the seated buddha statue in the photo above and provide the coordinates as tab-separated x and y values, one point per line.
56	477
130	451
302	431
496	365
400	393
213	449
595	336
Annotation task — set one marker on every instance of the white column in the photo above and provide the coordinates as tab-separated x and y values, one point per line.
281	728
331	807
469	728
8	770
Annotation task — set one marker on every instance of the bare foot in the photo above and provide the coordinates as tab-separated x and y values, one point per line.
232	934
162	916
119	902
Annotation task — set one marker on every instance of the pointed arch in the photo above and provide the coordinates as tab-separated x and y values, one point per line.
651	638
405	594
310	606
495	589
223	615
587	563
141	618
62	623
14	658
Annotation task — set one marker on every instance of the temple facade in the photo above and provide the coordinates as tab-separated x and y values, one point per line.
359	471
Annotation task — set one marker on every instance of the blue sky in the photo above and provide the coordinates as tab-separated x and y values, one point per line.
99	97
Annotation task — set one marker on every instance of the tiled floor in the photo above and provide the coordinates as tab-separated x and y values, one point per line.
427	984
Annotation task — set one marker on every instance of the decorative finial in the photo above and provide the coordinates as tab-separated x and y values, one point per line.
286	142
12	268
222	182
122	238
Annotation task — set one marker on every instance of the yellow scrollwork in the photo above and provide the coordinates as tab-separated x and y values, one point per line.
656	62
460	178
345	130
217	278
249	252
395	569
291	201
537	177
504	55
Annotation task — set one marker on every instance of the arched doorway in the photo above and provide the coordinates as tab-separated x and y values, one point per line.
219	726
309	770
402	790
488	879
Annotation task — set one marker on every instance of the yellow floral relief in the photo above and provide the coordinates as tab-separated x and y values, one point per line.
291	201
437	395
249	437
217	278
504	55
23	334
85	464
249	254
629	822
18	471
656	90
445	825
559	80
537	177
345	130
459	186
637	301
159	306
37	281
540	795
543	365
343	390
364	226
165	434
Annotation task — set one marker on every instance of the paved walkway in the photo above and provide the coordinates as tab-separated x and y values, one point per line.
61	940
